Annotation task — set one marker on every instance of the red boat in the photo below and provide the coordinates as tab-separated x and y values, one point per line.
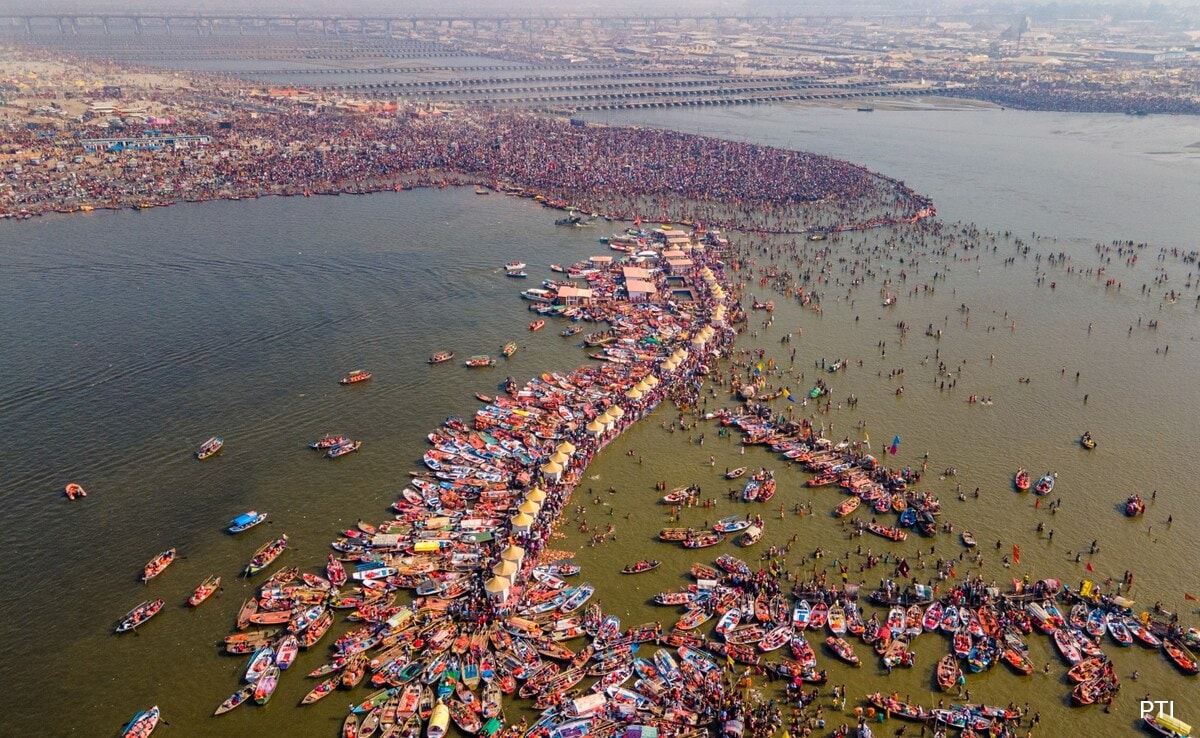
537	325
1022	480
358	375
328	442
74	490
158	564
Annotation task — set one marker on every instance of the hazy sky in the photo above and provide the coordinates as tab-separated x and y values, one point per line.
552	7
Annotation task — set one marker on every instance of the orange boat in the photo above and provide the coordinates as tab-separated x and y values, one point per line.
74	490
158	564
358	375
204	591
537	325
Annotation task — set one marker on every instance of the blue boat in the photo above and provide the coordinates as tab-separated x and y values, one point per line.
246	521
908	518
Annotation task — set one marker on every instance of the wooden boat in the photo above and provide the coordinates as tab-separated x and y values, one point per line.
704	540
157	564
1181	656
480	360
355	376
1167	725
837	619
1021	480
673	535
968	539
209	448
322	690
537	325
343	449
843	650
514	266
242	643
439	721
204	591
847	506
74	490
731	524
948	672
265	555
1045	485
735	473
1087	441
243	694
1134	506
246	521
640	566
517	274
441	356
890	533
142	724
139	615
1089	669
508	349
350	727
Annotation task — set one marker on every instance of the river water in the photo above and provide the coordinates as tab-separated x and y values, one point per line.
131	337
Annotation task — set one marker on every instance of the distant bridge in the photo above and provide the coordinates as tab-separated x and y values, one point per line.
206	23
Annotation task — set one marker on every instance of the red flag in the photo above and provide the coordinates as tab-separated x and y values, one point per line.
1191	597
1016	554
1089	566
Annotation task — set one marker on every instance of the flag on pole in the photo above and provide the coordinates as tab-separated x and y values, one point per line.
788	394
1090	567
1016	554
895	445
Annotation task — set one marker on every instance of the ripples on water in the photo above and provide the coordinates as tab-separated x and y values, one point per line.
132	337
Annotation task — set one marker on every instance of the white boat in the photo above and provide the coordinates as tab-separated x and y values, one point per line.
537	294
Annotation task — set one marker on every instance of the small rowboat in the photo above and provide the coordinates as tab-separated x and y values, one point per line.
704	540
968	539
235	699
204	591
537	325
210	448
74	490
157	564
509	349
343	449
142	725
1021	480
1045	485
265	686
731	524
355	376
139	615
441	356
948	672
842	650
266	555
735	473
640	567
847	506
480	360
